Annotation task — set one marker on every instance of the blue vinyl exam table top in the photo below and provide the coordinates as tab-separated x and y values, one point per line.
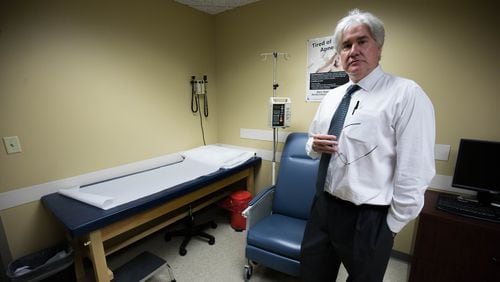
80	218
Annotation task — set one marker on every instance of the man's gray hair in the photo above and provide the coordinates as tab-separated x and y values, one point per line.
357	17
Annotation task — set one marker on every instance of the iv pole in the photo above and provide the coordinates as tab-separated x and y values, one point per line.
275	87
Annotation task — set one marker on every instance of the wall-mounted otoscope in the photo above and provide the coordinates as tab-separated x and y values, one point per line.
199	85
199	91
199	88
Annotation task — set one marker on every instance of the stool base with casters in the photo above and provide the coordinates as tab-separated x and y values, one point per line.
190	231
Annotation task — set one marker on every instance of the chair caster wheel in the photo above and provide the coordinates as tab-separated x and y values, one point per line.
182	252
213	225
248	271
211	241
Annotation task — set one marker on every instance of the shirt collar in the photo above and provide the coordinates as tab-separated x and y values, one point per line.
368	82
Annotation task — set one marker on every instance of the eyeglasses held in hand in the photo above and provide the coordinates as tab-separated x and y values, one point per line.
344	160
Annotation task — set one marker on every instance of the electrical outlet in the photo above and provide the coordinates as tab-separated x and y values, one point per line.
12	144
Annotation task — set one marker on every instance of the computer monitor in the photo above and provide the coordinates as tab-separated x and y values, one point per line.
478	168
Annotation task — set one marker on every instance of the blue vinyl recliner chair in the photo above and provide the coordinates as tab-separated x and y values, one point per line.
277	216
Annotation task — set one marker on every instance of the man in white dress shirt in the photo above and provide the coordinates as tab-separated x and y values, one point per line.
380	165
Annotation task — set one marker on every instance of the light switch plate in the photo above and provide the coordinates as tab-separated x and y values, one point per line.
12	144
441	152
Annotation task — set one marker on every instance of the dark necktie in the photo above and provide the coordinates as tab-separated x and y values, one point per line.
336	126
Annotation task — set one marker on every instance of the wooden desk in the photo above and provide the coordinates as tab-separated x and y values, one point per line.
96	233
454	248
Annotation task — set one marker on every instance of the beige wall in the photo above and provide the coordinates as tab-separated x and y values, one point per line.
88	85
447	47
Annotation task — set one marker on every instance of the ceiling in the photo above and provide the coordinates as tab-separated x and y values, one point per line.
215	6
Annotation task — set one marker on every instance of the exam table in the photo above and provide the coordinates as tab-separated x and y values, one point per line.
96	233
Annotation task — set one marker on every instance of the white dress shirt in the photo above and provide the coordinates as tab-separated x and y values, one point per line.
386	149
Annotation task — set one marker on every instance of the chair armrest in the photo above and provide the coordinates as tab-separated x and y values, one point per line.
259	207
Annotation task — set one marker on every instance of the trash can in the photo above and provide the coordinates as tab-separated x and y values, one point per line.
237	202
44	264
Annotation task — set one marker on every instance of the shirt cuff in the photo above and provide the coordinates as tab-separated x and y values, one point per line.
394	224
313	154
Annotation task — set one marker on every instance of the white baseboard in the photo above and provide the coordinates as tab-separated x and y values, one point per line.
443	183
264	135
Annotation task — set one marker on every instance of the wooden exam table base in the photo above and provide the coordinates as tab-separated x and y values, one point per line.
92	244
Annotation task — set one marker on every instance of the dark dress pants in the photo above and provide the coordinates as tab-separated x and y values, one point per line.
340	232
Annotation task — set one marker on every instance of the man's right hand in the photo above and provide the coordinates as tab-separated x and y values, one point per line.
324	143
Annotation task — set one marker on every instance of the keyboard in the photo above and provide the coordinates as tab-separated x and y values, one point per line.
452	204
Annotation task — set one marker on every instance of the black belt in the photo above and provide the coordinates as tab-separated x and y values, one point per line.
347	203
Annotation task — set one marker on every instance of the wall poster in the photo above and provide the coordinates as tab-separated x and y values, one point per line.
324	71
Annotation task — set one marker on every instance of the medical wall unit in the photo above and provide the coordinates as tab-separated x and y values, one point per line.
199	92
